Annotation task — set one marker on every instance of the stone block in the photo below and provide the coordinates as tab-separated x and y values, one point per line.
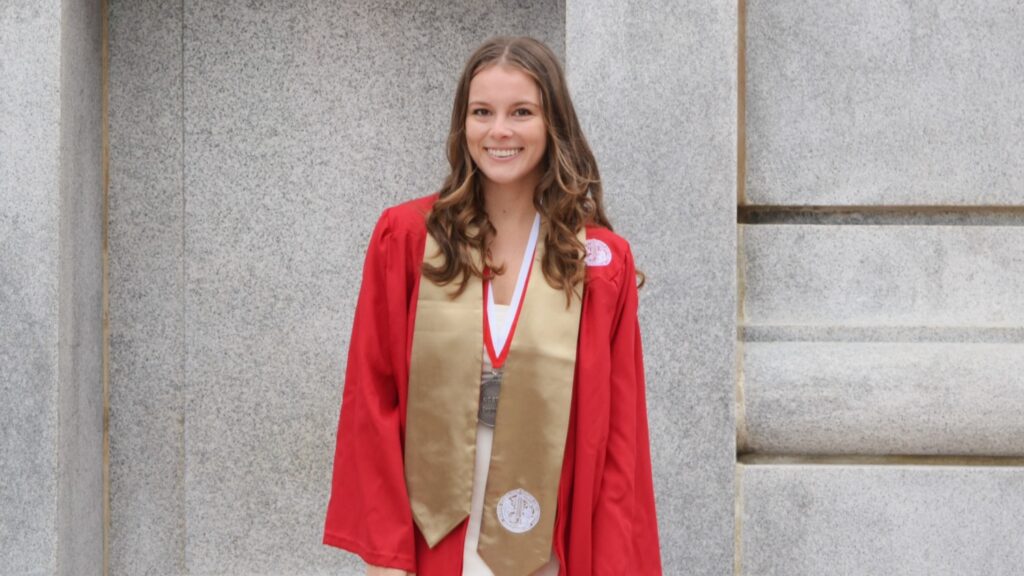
895	520
146	294
654	84
920	276
925	398
29	282
147	300
79	449
882	103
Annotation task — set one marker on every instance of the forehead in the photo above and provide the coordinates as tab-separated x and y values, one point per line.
499	84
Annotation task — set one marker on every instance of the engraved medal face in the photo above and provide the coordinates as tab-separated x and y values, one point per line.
490	389
518	511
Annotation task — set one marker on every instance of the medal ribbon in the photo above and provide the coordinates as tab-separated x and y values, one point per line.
498	359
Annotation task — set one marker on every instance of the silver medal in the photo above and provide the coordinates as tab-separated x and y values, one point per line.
490	389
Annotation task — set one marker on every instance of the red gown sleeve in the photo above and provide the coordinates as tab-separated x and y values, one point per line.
625	529
368	512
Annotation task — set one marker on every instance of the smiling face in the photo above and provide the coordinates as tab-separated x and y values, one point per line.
505	130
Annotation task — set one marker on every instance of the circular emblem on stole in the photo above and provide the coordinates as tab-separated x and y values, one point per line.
598	253
518	511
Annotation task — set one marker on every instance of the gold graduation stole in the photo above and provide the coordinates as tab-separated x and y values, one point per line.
531	425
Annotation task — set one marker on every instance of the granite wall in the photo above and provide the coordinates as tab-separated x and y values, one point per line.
51	287
30	282
655	86
882	258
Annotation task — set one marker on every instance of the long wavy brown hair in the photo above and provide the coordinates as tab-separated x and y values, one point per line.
568	195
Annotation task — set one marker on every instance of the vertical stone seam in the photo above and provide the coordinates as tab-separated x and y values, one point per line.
62	309
183	383
742	435
904	460
741	398
105	262
741	262
741	103
741	185
565	35
738	522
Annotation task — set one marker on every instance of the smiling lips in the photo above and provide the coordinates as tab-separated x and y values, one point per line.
502	153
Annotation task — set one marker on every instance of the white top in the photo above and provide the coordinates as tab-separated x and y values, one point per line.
501	327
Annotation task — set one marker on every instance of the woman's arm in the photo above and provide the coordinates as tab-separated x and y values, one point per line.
368	512
624	522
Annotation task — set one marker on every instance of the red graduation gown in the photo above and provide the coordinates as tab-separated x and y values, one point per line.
605	522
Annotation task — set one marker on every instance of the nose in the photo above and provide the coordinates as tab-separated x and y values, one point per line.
501	128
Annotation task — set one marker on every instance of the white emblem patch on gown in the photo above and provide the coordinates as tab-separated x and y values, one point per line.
598	253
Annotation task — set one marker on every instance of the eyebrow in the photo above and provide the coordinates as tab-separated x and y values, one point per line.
519	103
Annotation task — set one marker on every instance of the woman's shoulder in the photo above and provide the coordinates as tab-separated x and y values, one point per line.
608	254
602	235
409	217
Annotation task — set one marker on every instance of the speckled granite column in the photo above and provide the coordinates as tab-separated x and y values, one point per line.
51	394
147	498
883	332
253	145
655	86
30	283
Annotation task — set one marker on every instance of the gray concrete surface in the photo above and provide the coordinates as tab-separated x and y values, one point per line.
79	448
884	103
50	289
872	520
926	398
654	85
30	60
922	276
147	300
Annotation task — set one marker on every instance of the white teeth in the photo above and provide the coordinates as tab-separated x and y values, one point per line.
507	153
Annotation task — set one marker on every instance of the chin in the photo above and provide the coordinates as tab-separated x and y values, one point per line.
502	179
506	177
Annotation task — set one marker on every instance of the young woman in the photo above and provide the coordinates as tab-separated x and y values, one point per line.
493	418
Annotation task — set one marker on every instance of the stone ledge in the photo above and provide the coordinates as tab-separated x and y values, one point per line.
883	275
884	398
893	520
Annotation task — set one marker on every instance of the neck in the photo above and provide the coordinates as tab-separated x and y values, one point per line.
509	207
